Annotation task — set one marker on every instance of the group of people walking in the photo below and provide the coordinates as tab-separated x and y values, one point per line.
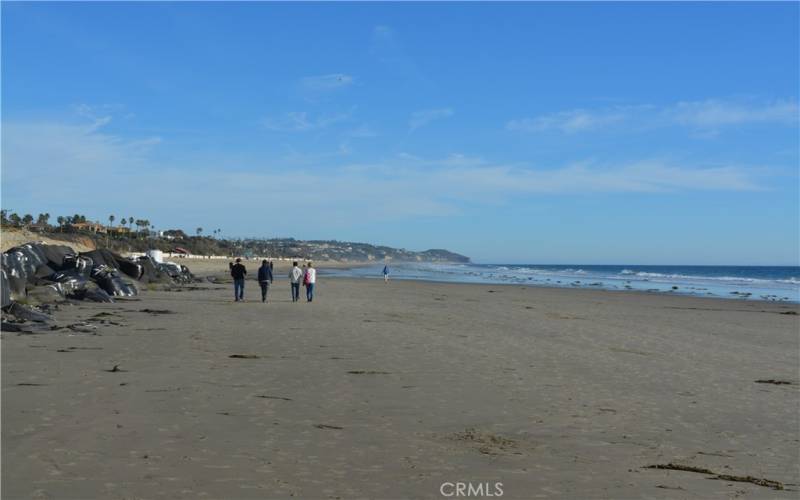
307	276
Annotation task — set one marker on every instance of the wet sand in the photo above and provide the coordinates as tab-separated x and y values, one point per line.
388	391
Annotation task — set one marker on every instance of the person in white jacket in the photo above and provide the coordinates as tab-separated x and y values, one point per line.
309	280
295	276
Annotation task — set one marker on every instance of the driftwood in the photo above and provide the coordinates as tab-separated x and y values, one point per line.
774	381
775	485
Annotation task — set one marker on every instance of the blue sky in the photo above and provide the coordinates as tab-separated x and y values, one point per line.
626	133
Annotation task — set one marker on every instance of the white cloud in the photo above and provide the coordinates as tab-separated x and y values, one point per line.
643	177
301	121
703	117
63	168
361	132
321	83
425	116
578	120
715	113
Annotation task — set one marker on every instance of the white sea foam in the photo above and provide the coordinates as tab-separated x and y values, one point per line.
785	288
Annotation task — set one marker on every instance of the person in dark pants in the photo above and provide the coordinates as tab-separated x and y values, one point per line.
238	272
295	276
264	278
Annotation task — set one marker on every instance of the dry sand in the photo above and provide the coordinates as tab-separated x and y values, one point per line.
12	237
387	391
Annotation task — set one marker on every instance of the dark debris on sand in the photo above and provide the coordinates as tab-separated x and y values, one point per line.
774	381
775	485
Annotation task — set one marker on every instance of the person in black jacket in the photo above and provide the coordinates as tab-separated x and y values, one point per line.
238	272
264	278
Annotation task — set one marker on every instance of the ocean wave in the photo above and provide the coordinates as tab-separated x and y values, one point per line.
738	279
509	272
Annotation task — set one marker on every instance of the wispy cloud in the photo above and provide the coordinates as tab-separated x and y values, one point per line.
321	83
470	176
425	116
75	158
577	120
53	163
302	121
361	132
642	177
706	116
717	113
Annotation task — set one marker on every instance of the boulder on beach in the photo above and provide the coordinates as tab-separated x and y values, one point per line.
46	273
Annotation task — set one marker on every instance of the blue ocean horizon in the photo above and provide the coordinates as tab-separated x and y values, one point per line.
769	283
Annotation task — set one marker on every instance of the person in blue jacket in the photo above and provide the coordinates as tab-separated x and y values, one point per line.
385	274
264	278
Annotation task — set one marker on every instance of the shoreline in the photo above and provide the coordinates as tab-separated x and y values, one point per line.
567	289
664	293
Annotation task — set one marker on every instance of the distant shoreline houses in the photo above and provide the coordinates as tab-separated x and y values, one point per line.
97	228
89	227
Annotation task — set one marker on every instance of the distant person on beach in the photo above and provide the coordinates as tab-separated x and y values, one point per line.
264	279
385	274
295	275
238	272
309	280
271	266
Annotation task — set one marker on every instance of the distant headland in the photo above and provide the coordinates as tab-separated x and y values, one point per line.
83	233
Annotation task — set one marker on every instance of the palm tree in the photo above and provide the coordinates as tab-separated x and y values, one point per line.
26	221
61	220
139	224
43	219
15	219
130	222
111	219
199	231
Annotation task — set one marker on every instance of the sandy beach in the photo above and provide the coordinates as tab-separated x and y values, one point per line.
391	391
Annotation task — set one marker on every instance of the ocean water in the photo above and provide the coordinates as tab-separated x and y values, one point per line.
776	283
